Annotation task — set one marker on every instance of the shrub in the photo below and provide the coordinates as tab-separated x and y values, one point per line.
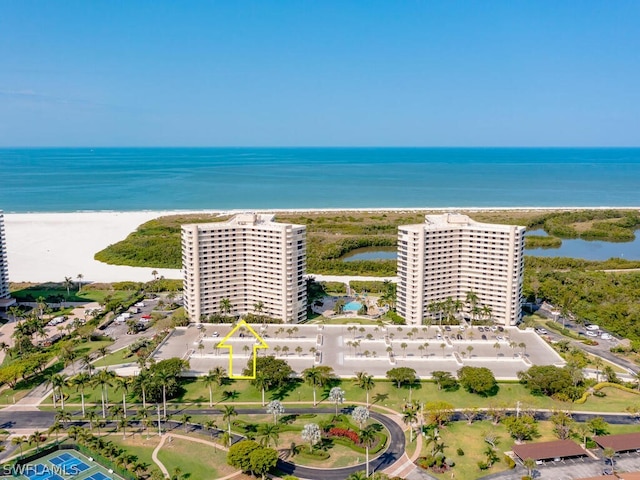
344	432
483	465
460	452
509	462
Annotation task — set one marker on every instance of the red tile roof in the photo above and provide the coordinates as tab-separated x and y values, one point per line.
620	443
549	450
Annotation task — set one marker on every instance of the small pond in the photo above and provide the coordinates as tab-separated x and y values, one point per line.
588	249
371	253
573	248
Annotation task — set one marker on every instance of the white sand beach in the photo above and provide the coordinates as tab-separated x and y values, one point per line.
45	247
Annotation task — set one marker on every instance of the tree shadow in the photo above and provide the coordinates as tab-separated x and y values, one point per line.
380	397
230	395
282	392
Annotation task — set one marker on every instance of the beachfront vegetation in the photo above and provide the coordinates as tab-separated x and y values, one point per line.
540	241
576	286
591	294
330	235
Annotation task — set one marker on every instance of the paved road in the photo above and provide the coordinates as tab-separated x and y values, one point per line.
11	420
42	420
602	349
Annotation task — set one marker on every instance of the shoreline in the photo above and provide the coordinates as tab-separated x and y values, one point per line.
49	246
227	211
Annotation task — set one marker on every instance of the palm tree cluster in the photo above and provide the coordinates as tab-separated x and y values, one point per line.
450	308
388	295
114	454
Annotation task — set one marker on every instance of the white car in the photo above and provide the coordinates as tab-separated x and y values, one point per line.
215	334
541	331
591	333
592	327
606	336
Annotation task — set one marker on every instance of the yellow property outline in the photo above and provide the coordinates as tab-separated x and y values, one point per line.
262	344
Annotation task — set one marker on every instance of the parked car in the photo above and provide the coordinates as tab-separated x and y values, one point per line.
591	333
480	329
541	331
606	336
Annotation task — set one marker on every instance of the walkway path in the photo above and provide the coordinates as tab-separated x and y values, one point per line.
154	456
190	439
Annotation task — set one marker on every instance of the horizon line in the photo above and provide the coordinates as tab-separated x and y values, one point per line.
34	147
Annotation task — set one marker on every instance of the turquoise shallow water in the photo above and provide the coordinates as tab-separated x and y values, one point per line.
61	180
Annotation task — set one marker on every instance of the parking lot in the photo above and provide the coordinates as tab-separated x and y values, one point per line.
349	348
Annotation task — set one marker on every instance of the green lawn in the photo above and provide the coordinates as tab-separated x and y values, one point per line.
470	438
116	358
137	445
51	290
198	460
384	394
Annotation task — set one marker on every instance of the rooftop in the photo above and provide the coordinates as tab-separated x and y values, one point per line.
549	450
619	443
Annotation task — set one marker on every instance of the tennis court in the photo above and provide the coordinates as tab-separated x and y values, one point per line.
66	465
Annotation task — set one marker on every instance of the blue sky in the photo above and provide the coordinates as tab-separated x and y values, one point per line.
323	73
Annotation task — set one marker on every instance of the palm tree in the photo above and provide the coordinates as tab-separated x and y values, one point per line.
211	425
81	381
365	382
58	381
317	377
85	362
497	347
472	299
55	428
68	282
123	423
228	412
163	378
185	420
92	416
487	312
261	382
268	434
409	417
367	437
103	380
209	379
144	379
225	306
529	464
123	384
19	441
36	437
63	417
79	277
220	375
103	352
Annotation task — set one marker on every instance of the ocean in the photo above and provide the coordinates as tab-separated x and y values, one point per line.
128	179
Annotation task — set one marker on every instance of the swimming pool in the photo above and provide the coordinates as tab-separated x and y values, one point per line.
352	306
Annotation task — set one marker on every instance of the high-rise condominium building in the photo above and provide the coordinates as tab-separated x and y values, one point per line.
450	255
256	264
5	299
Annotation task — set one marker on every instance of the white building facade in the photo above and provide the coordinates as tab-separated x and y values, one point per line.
5	299
450	255
250	260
